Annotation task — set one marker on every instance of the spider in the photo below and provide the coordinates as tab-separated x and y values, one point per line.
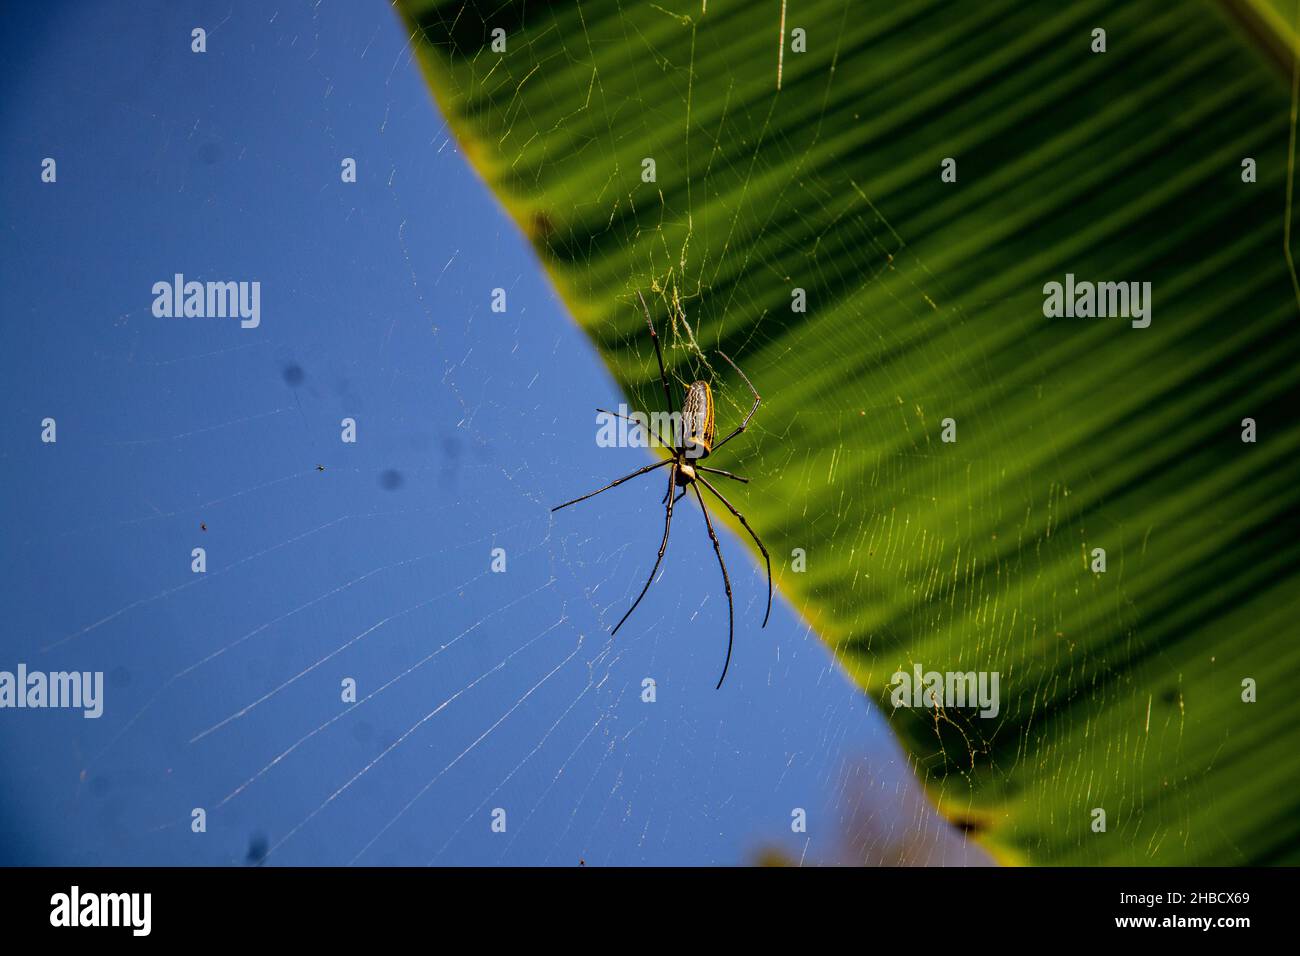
685	473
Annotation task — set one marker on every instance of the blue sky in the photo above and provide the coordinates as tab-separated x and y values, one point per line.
476	690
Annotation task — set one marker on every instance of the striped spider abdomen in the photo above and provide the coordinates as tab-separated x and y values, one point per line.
697	421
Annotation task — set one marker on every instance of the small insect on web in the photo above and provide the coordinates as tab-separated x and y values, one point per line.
684	473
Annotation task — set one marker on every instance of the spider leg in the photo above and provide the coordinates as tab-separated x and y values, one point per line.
679	497
656	433
766	557
741	427
726	582
663	546
725	474
616	481
654	336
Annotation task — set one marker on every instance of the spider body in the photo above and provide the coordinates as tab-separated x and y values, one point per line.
686	473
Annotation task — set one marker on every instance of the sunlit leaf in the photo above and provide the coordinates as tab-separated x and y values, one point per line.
1120	690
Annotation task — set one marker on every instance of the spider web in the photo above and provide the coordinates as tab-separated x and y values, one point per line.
870	477
475	690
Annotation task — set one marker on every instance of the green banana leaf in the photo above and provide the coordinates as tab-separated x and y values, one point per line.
1121	690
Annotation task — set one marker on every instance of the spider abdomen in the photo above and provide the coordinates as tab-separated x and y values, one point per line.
697	420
